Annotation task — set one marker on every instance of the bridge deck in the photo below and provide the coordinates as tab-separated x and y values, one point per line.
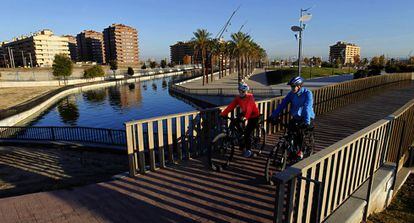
190	192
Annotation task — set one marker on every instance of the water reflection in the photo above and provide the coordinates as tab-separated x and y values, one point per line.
111	107
68	111
95	96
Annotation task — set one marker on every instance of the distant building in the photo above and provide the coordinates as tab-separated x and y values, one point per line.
344	51
121	45
39	49
91	46
180	51
73	47
3	58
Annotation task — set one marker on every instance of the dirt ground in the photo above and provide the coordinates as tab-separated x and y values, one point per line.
14	96
402	207
33	169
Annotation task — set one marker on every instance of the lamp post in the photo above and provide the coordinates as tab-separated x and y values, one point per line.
303	18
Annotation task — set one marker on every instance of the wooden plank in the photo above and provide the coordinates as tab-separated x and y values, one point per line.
130	149
178	135
326	180
161	154
333	182
345	174
151	145
187	136
339	171
170	141
310	196
141	154
350	166
301	195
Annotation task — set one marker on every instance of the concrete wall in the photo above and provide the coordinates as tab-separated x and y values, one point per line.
21	117
46	74
353	208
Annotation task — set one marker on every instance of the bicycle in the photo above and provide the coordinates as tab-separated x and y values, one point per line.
285	151
221	152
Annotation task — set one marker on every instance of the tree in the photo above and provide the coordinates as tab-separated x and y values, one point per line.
200	42
62	66
95	71
306	61
382	60
357	60
114	66
144	66
364	62
153	64
411	60
163	63
130	71
241	43
338	62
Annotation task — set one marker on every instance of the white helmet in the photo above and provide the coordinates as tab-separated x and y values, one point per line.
243	87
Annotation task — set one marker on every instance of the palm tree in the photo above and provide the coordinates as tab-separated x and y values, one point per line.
241	43
200	41
214	47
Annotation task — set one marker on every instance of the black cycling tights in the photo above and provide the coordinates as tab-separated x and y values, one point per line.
250	127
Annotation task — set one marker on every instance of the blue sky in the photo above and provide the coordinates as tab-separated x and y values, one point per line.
378	26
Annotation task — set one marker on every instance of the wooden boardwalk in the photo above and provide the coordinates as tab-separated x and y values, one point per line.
189	192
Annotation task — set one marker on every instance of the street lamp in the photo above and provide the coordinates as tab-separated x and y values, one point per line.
303	18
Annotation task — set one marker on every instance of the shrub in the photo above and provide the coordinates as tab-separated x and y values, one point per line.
361	74
130	71
144	67
95	71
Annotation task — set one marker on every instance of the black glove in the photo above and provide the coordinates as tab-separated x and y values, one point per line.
273	120
304	126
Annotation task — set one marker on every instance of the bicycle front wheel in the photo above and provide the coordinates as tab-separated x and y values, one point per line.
276	162
221	152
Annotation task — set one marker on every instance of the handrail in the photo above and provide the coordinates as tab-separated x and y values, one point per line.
144	136
346	165
70	133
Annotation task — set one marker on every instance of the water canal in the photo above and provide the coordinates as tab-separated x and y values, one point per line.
111	107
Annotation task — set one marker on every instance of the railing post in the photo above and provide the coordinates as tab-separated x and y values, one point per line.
397	162
53	133
280	179
110	136
371	178
385	149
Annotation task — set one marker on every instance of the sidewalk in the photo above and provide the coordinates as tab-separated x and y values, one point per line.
257	80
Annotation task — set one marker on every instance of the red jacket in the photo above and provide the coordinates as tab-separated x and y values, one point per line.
247	105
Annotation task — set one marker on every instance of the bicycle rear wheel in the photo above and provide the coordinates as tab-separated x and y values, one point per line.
221	152
276	162
258	139
309	144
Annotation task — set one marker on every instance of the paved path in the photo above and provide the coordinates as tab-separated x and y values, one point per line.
256	81
190	192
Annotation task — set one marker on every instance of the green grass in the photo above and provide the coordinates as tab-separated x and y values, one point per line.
280	75
308	72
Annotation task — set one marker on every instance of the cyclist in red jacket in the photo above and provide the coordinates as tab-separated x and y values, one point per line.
250	111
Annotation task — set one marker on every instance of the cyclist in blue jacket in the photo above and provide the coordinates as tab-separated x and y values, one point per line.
301	107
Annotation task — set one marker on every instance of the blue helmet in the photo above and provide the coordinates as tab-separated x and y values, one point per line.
296	81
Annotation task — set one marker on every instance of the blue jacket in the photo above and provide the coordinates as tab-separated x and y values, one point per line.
301	105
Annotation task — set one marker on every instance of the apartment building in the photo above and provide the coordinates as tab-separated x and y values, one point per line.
121	45
91	46
344	51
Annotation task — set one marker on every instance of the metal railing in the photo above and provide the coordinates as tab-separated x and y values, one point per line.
156	141
68	134
343	167
262	92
